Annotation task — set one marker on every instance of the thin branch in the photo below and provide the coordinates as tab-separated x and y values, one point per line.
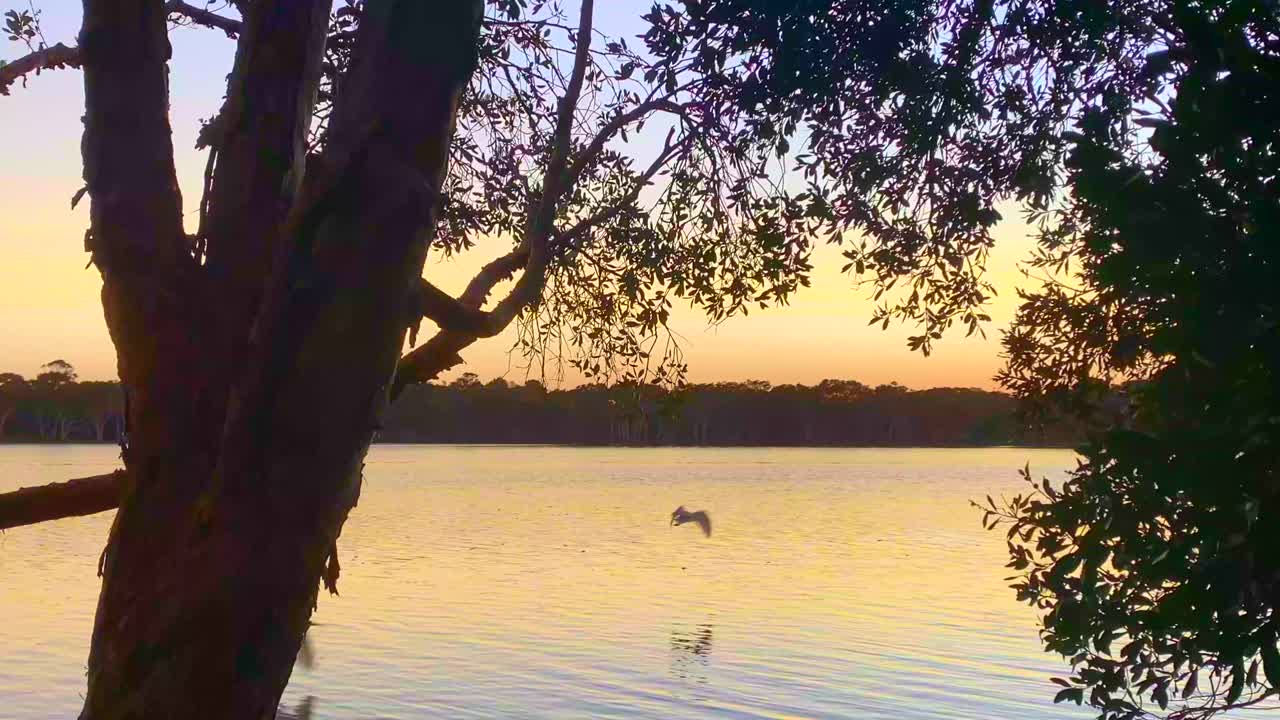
541	222
606	214
73	498
51	58
556	181
612	128
527	23
204	17
523	102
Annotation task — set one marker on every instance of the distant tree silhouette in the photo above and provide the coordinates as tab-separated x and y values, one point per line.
13	390
57	407
750	413
52	397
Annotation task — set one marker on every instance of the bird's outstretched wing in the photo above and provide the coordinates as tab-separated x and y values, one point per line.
704	521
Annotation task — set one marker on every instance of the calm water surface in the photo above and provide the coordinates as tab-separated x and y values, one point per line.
545	582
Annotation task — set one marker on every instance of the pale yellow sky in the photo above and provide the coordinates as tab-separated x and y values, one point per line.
49	306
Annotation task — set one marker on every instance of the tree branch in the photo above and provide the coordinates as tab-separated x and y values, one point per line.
445	311
556	182
73	498
56	57
604	215
612	127
542	222
441	351
136	210
150	279
477	292
427	361
50	58
464	314
204	17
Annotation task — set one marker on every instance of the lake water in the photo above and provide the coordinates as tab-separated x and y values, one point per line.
483	582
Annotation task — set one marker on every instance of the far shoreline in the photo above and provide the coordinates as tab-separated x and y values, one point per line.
400	443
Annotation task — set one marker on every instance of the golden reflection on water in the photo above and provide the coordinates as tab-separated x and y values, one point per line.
547	582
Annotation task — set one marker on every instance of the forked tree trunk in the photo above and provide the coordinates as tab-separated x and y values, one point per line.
249	416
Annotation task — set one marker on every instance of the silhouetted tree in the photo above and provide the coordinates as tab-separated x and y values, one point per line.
245	448
257	355
102	405
1141	139
1154	562
51	397
13	391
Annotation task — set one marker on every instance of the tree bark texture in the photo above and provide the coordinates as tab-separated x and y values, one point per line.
255	380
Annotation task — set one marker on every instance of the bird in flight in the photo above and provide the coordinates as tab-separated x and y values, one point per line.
681	516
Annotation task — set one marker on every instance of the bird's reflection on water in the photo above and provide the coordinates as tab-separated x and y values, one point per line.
691	652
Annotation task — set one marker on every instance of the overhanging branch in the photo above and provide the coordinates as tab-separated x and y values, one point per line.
73	498
427	361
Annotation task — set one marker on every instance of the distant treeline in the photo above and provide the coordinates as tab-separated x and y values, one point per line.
55	407
833	412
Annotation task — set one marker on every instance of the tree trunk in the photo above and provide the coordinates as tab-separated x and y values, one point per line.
240	478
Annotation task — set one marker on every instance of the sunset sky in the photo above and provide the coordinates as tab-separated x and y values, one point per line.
49	306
